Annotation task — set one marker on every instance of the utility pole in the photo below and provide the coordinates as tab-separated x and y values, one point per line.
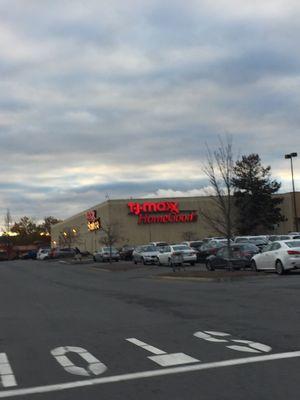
290	156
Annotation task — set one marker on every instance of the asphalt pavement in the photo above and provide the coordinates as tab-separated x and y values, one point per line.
75	332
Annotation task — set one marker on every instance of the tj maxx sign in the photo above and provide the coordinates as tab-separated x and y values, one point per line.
161	212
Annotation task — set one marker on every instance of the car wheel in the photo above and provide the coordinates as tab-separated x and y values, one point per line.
143	261
254	266
192	263
209	266
134	260
94	258
279	267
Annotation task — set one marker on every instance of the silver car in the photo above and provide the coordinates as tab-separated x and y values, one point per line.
106	254
146	254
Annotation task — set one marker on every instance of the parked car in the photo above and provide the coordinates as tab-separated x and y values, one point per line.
209	248
279	256
259	241
276	238
195	244
4	256
62	252
157	244
208	239
29	255
186	255
231	258
147	254
126	253
106	254
43	254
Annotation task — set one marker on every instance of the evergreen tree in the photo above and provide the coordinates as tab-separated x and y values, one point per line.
258	208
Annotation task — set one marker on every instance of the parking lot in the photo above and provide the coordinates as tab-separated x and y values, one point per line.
89	330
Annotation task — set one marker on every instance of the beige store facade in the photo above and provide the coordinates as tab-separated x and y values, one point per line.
140	221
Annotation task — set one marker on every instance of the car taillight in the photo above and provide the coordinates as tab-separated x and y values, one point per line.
293	252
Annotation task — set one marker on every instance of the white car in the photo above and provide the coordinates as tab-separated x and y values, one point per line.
167	254
281	256
43	254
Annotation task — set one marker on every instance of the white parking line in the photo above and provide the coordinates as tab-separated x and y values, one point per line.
7	378
148	374
162	358
168	360
145	346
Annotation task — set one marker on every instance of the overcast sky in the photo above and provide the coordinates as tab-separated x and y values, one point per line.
119	97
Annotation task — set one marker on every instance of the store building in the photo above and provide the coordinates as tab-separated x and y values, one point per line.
140	221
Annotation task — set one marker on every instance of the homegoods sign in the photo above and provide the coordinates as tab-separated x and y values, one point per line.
162	212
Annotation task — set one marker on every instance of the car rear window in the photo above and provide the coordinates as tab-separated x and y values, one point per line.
183	247
241	240
257	240
294	243
196	244
248	246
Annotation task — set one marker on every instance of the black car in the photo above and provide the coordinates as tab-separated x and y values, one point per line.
236	257
208	249
247	251
126	253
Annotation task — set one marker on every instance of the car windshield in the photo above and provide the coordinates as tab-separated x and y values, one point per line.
196	244
181	247
149	248
221	243
294	243
249	246
241	240
257	240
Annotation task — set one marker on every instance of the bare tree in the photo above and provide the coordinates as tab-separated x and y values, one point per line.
219	168
7	221
110	236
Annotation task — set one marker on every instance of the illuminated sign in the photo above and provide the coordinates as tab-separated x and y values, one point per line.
93	222
164	212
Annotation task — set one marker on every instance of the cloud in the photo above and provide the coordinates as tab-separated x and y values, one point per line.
121	97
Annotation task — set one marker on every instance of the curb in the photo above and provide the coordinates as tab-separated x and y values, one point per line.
201	279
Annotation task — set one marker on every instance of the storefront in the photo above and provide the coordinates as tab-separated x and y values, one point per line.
140	221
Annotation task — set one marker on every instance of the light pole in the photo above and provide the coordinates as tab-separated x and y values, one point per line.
290	156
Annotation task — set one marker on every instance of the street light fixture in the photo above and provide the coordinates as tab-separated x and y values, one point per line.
290	156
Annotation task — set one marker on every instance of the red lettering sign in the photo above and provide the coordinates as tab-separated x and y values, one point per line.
154	207
168	212
91	216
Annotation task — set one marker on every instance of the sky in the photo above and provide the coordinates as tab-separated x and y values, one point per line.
117	99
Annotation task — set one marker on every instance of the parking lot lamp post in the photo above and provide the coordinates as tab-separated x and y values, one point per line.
290	156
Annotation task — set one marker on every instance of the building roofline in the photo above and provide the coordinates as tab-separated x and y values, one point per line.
146	199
